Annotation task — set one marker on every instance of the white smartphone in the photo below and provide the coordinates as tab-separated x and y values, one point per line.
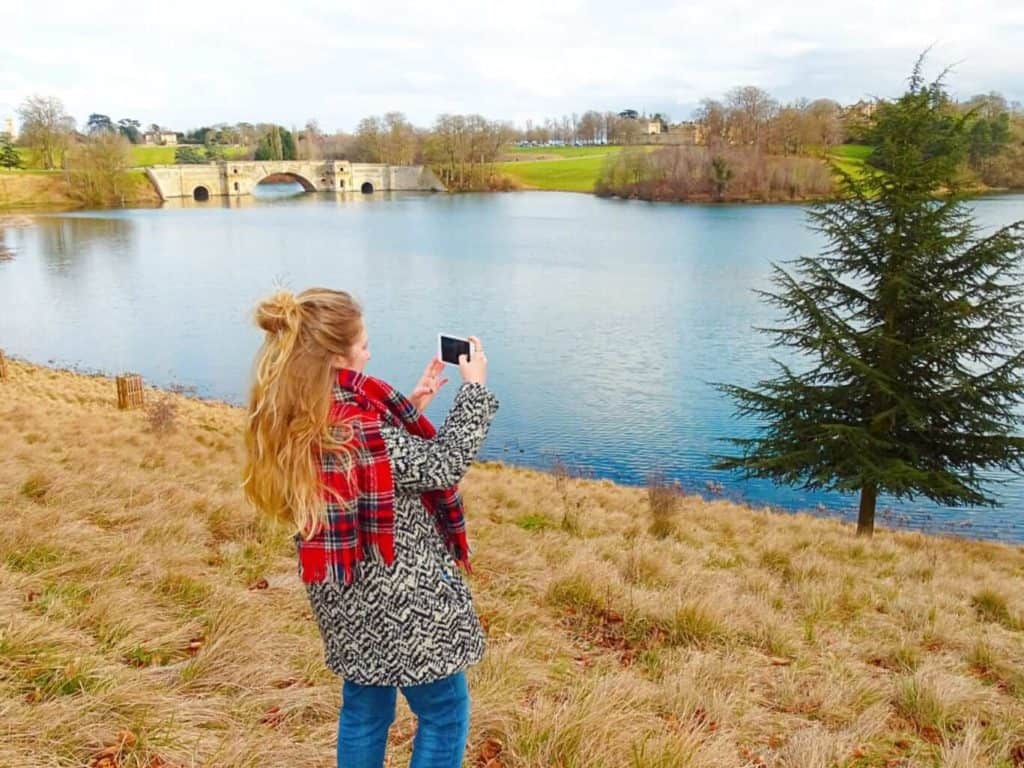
450	347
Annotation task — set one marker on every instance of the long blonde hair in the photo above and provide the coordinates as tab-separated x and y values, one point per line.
290	399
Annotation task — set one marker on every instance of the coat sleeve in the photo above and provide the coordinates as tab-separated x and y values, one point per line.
420	465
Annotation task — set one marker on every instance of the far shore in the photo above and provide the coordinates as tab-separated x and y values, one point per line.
45	192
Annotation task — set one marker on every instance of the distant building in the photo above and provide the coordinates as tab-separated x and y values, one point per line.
681	134
862	108
161	138
656	126
687	133
8	126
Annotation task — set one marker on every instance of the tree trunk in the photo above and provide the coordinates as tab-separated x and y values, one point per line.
866	515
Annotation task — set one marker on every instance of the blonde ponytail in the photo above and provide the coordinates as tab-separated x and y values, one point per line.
290	399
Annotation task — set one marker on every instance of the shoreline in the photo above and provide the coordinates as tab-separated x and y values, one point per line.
846	516
30	209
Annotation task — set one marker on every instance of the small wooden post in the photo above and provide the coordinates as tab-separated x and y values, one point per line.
129	391
3	366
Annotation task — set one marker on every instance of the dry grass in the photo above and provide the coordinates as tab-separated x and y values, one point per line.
33	190
147	619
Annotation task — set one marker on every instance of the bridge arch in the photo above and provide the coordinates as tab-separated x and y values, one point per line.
286	176
201	193
367	188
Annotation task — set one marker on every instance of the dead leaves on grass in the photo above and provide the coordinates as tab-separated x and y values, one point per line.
112	756
195	644
488	754
273	717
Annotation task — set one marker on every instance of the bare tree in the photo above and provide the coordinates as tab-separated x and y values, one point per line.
591	127
370	140
309	142
340	146
46	129
826	122
711	116
464	148
401	141
750	111
787	131
988	105
97	169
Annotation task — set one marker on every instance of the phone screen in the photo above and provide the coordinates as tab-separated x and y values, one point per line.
451	348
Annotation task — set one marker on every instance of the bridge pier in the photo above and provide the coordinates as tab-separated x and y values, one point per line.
235	179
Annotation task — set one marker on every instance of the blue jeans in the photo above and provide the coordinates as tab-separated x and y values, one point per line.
442	722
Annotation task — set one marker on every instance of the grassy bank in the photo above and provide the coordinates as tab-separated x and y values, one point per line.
570	169
34	189
29	190
147	618
851	157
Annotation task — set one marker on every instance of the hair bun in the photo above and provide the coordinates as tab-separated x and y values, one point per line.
279	313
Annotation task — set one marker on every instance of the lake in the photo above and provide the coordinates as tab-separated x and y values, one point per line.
605	321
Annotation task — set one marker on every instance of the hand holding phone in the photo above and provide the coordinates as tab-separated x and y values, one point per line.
468	353
450	347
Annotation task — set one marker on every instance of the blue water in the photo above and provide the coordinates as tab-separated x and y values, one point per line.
605	321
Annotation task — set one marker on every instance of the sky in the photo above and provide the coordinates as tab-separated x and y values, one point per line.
185	64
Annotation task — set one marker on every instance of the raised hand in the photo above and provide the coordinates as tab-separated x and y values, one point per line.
428	385
474	370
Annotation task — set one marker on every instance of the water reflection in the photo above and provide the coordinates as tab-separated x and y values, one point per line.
279	194
71	244
6	252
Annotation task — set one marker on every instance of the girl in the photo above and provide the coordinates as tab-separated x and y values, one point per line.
371	490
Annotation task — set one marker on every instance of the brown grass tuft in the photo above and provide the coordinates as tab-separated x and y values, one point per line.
663	503
162	413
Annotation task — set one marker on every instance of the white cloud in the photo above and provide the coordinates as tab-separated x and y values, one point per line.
338	61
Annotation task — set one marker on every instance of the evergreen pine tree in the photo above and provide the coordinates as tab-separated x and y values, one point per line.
9	157
910	322
270	145
287	145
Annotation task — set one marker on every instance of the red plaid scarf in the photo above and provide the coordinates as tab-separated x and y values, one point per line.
365	402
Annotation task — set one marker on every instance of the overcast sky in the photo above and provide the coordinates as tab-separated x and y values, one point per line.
185	64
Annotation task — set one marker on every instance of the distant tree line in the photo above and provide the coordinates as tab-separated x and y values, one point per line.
734	134
749	117
995	135
699	173
463	149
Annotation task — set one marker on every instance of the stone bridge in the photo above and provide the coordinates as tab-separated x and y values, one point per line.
230	179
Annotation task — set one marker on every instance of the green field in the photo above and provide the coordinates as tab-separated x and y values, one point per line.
143	155
576	170
851	157
536	152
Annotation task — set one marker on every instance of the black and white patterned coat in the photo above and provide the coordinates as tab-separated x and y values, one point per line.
412	622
